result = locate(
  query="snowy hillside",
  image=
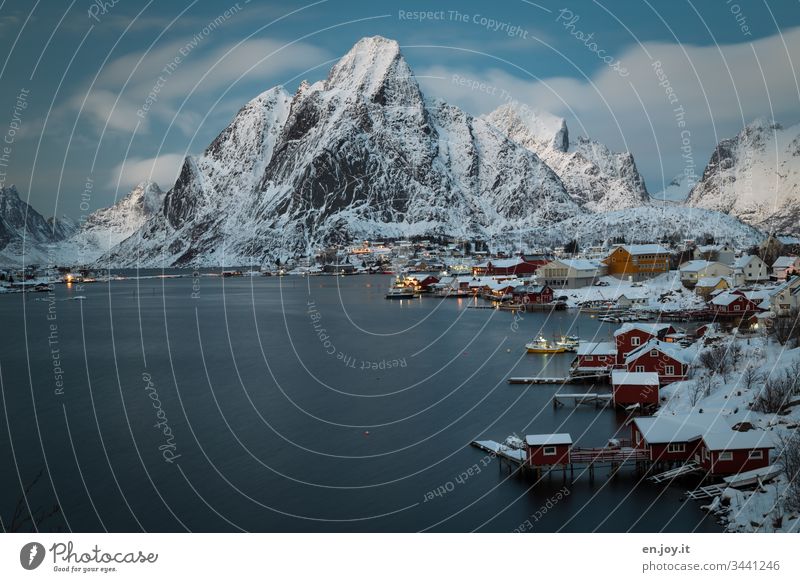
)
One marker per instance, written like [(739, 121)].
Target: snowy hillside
[(24, 233), (596, 178), (756, 177), (649, 223)]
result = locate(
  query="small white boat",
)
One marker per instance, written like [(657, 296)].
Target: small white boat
[(569, 342), (400, 293), (541, 346)]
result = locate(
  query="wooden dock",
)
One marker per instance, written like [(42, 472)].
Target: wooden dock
[(572, 379), (587, 398), (685, 469)]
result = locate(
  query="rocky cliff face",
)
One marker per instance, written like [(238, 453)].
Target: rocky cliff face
[(595, 177), (755, 176)]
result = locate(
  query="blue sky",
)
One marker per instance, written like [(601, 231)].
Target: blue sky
[(88, 68)]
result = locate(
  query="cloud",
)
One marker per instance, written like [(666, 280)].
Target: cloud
[(157, 83), (717, 88), (163, 170)]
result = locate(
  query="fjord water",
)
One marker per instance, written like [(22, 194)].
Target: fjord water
[(295, 404)]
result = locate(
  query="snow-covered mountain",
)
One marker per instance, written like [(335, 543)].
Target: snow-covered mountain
[(676, 191), (360, 154), (755, 176), (105, 228), (24, 233), (596, 178)]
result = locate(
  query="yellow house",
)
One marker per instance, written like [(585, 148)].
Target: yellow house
[(707, 285), (637, 262)]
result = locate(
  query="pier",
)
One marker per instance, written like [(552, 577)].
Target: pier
[(572, 379), (594, 398)]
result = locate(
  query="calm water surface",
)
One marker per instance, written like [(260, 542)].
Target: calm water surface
[(293, 404)]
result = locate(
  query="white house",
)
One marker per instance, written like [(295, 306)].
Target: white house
[(784, 265), (749, 269), (786, 297), (692, 271), (724, 253), (570, 273)]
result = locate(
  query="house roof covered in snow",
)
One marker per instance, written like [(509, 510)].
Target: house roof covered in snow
[(651, 328), (597, 349), (672, 350), (721, 440), (538, 440), (710, 281), (646, 249), (783, 262), (695, 266)]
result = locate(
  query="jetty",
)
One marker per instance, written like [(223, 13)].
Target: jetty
[(571, 379), (593, 398)]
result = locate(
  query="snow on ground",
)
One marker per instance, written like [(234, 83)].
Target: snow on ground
[(664, 292), (731, 397)]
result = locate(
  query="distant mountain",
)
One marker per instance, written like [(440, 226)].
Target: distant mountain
[(677, 191), (105, 228), (594, 176), (24, 233), (360, 154), (755, 176)]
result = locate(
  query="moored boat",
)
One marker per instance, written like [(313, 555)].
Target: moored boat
[(541, 346)]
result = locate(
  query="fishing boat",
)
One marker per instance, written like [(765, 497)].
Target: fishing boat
[(400, 293), (569, 342), (541, 346)]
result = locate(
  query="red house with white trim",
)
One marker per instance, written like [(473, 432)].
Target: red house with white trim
[(514, 266), (733, 304), (667, 437), (634, 388), (631, 336), (730, 452), (533, 294), (548, 449), (595, 357), (668, 360)]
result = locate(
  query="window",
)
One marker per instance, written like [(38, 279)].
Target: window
[(756, 454), (726, 456), (635, 341), (669, 370), (549, 451), (639, 369), (676, 448), (654, 353), (706, 456), (589, 358), (736, 307)]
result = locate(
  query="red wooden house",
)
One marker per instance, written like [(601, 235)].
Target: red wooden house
[(595, 357), (425, 283), (634, 388), (668, 437), (733, 304), (731, 452), (548, 449), (519, 265), (533, 294), (631, 336), (668, 360)]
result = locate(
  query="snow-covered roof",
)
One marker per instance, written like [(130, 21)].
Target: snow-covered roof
[(538, 440), (623, 377), (695, 266), (581, 264), (506, 263), (670, 429), (783, 262), (709, 281), (651, 328), (647, 249), (721, 440), (672, 350), (597, 349), (743, 261), (726, 298)]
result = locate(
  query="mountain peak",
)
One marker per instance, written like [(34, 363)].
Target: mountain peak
[(369, 65), (526, 125)]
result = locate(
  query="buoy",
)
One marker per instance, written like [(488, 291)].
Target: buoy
[(366, 433), (508, 350)]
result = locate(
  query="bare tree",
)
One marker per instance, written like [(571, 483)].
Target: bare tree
[(701, 387), (717, 359), (751, 376), (786, 329), (789, 460), (775, 395)]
